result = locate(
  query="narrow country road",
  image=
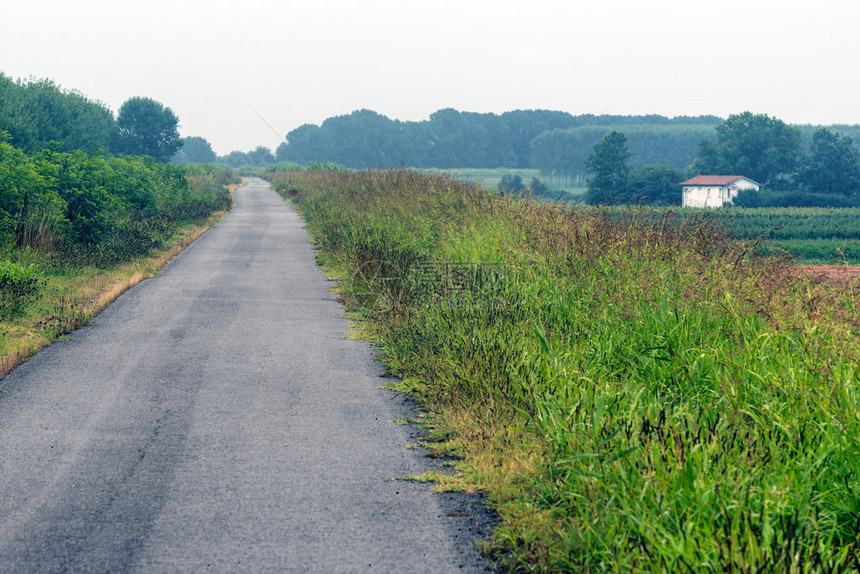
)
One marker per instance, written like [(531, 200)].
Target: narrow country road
[(217, 419)]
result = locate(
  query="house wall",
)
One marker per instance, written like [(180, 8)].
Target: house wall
[(714, 195), (704, 196)]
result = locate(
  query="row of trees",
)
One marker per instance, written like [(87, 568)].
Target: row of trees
[(757, 146), (38, 114), (562, 154), (197, 150), (453, 139)]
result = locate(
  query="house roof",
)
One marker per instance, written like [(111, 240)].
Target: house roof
[(713, 180)]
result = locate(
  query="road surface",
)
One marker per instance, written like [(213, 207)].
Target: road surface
[(217, 419)]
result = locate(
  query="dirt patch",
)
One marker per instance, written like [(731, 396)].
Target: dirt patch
[(837, 273)]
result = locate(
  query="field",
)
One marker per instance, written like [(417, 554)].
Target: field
[(809, 235), (633, 392), (490, 178)]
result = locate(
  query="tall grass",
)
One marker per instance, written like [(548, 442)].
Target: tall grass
[(635, 393)]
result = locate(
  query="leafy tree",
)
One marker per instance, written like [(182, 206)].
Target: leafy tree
[(655, 185), (146, 127), (511, 184), (833, 164), (538, 187), (609, 169), (195, 150), (753, 145), (39, 114), (259, 157)]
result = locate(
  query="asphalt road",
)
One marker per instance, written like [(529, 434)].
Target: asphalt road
[(216, 418)]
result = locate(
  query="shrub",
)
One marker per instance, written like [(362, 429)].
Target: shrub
[(19, 286)]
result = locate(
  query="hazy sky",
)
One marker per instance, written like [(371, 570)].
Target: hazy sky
[(297, 62)]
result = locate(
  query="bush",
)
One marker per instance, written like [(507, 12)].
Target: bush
[(19, 286), (284, 166), (768, 198)]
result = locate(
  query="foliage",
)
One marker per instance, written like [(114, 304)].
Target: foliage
[(608, 164), (766, 198), (655, 185), (39, 114), (452, 139), (100, 208), (511, 184), (753, 145), (147, 127), (283, 166), (614, 182), (19, 286), (688, 406), (259, 157), (326, 166), (194, 150), (563, 152), (833, 165)]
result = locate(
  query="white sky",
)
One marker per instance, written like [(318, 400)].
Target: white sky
[(301, 61)]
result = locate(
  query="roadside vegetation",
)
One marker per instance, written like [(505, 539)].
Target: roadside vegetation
[(76, 229), (632, 391)]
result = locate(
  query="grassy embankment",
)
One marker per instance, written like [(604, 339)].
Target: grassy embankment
[(632, 394), (77, 230)]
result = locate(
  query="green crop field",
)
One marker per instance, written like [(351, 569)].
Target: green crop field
[(632, 391), (808, 235)]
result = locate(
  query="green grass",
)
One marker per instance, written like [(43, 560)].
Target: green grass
[(632, 392), (490, 178)]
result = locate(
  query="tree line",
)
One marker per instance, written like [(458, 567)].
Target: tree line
[(453, 139), (39, 114)]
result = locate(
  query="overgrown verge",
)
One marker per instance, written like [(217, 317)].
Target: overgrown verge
[(78, 229), (632, 393)]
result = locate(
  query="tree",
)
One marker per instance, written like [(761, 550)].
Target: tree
[(40, 114), (511, 184), (146, 127), (195, 150), (655, 185), (833, 164), (608, 164), (753, 145), (259, 157)]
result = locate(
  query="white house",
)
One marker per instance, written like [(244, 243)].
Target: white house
[(714, 190)]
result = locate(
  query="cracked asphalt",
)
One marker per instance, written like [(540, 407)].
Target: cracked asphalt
[(217, 418)]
